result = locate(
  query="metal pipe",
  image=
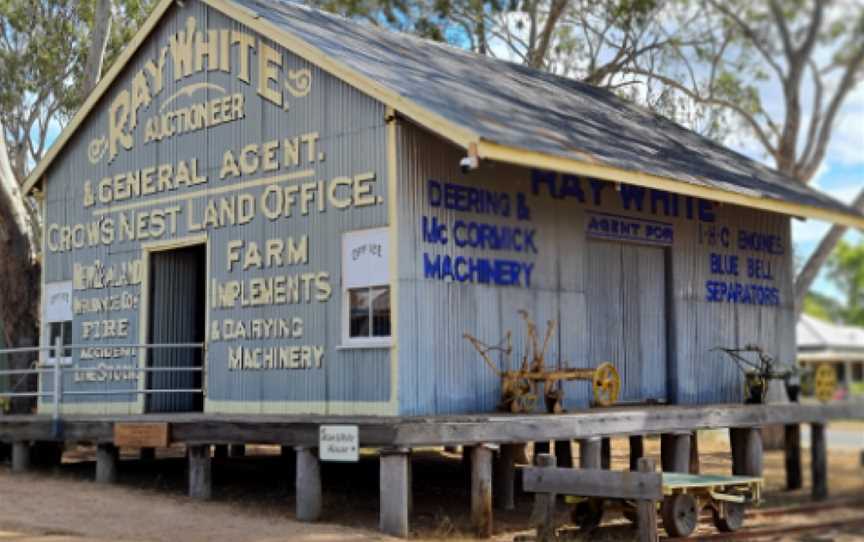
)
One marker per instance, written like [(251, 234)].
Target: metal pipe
[(131, 392), (26, 349), (58, 379), (24, 371)]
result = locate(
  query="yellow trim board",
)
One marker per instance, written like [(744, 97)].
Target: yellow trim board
[(501, 153)]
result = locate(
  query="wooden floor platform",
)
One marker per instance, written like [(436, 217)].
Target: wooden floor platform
[(491, 443), (409, 432)]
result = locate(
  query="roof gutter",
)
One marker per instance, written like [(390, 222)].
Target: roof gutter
[(502, 153)]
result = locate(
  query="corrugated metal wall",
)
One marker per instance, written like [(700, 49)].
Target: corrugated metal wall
[(177, 295), (642, 307), (352, 140)]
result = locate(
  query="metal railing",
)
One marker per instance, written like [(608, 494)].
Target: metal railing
[(57, 367)]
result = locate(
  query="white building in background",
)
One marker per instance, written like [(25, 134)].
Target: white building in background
[(841, 346)]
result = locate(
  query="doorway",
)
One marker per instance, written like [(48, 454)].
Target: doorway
[(177, 303), (627, 315)]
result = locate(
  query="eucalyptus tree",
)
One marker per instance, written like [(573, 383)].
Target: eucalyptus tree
[(52, 53)]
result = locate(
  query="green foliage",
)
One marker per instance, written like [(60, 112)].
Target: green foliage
[(43, 51), (846, 270), (823, 307)]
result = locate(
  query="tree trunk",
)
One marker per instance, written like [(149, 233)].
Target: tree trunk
[(96, 54), (19, 302), (814, 264)]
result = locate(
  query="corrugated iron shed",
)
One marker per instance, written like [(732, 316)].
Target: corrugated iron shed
[(512, 113)]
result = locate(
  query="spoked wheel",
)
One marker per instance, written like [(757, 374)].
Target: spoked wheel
[(587, 514), (606, 384), (680, 515), (728, 516)]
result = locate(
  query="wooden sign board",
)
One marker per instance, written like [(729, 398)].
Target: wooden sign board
[(141, 435)]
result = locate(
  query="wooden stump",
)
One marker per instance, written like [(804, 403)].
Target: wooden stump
[(646, 510), (695, 467), (308, 485), (20, 457), (505, 477), (675, 452), (564, 453), (792, 456), (590, 453), (606, 453), (481, 491), (746, 444), (200, 473), (395, 492), (106, 463), (543, 515), (819, 461), (637, 450)]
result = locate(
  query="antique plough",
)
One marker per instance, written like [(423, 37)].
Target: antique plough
[(520, 388)]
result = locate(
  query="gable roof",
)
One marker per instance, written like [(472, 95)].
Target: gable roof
[(815, 334), (507, 112)]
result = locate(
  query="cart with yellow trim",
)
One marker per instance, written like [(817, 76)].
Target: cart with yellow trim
[(685, 496)]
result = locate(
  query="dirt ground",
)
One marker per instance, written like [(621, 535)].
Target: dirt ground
[(254, 501)]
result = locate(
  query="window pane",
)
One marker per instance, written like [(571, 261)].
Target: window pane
[(358, 312), (67, 338), (380, 312)]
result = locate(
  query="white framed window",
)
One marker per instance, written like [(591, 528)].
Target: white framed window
[(58, 319), (366, 289)]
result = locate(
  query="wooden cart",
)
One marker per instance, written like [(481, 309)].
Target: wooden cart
[(684, 497)]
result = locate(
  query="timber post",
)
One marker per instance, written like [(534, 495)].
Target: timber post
[(753, 451), (540, 447), (220, 451), (695, 467), (200, 472), (564, 453), (543, 515), (646, 510), (747, 450), (590, 453), (395, 491), (504, 484), (308, 484), (675, 452), (792, 456), (637, 450), (819, 461), (606, 453), (481, 490), (106, 463), (20, 457)]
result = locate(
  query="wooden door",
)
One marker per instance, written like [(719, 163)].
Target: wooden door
[(627, 315)]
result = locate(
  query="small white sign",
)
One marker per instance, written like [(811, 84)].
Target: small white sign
[(365, 258), (58, 301), (338, 443)]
